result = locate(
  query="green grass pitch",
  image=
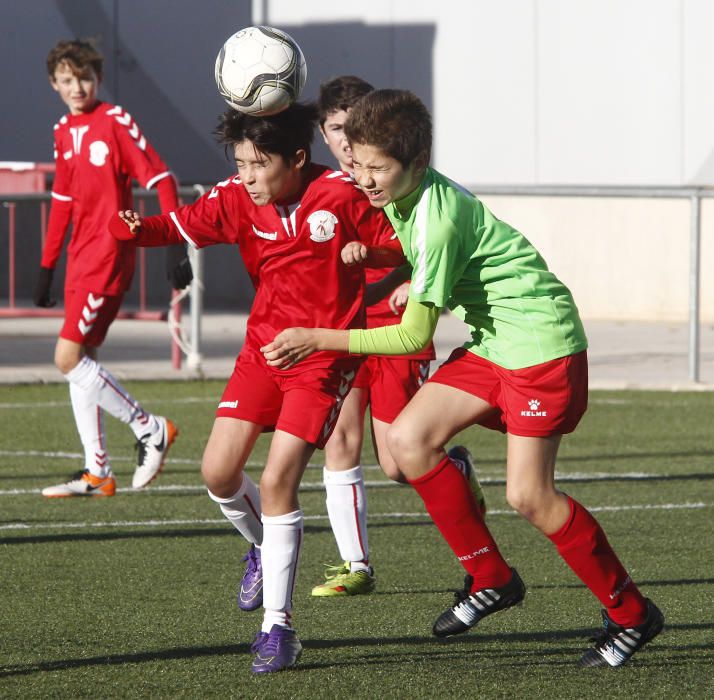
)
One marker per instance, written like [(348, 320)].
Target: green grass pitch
[(134, 596)]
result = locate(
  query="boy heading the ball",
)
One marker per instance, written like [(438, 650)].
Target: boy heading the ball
[(524, 372), (291, 219), (99, 149)]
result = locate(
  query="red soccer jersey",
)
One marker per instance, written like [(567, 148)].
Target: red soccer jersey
[(291, 251), (97, 155)]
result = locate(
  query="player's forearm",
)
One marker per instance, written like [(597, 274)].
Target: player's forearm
[(154, 231), (331, 339), (411, 335), (376, 291), (60, 214), (167, 194), (385, 255)]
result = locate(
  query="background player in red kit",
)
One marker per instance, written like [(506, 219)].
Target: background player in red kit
[(384, 383), (291, 219), (98, 150)]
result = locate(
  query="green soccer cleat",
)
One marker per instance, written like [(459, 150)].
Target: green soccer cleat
[(464, 462), (341, 582)]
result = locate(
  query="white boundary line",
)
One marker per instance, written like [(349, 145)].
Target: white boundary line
[(384, 483), (66, 403), (214, 400), (373, 516)]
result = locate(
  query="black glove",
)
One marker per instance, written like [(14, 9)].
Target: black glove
[(178, 267), (43, 294)]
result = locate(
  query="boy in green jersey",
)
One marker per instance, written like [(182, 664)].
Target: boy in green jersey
[(385, 384), (524, 372)]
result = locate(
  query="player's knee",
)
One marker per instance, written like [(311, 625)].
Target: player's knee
[(519, 500), (66, 361), (393, 472), (275, 494), (403, 442), (218, 480), (530, 503), (343, 447)]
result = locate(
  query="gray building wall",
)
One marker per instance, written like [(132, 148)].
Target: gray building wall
[(159, 65)]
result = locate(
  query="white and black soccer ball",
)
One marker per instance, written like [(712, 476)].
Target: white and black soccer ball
[(260, 71)]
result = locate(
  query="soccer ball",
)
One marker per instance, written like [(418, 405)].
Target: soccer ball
[(260, 71)]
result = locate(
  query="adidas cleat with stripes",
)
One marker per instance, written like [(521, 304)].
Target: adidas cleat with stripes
[(615, 645), (470, 607)]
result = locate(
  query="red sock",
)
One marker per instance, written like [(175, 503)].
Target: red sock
[(452, 507), (584, 546)]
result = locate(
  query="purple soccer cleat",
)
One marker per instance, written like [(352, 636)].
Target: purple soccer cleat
[(278, 650), (260, 637), (250, 593)]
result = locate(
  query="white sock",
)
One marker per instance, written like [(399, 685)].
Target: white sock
[(347, 508), (89, 418), (102, 388), (243, 510), (282, 540)]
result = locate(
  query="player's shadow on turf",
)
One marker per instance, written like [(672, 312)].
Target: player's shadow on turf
[(226, 530), (452, 645), (109, 536), (640, 583), (121, 659)]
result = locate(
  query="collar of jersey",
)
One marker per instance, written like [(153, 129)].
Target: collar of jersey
[(85, 116)]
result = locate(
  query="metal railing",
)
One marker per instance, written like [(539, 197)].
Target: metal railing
[(179, 344), (693, 194), (191, 346)]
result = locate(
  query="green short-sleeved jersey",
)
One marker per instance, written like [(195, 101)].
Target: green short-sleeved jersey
[(488, 273)]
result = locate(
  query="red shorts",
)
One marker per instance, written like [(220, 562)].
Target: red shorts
[(305, 404), (389, 383), (546, 399), (88, 315)]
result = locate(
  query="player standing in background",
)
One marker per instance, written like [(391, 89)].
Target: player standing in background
[(98, 150), (290, 219), (524, 372), (385, 383)]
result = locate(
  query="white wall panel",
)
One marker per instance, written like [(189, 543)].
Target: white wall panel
[(609, 91), (698, 93)]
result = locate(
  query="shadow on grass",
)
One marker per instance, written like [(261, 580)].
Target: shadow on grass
[(120, 659), (494, 464), (170, 533), (545, 586), (437, 648)]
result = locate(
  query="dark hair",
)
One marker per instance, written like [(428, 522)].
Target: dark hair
[(395, 121), (78, 54), (283, 133), (340, 94)]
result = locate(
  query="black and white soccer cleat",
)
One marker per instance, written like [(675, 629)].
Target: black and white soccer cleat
[(615, 645), (471, 607)]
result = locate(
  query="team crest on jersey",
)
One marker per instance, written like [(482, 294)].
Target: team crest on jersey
[(98, 152), (322, 225)]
